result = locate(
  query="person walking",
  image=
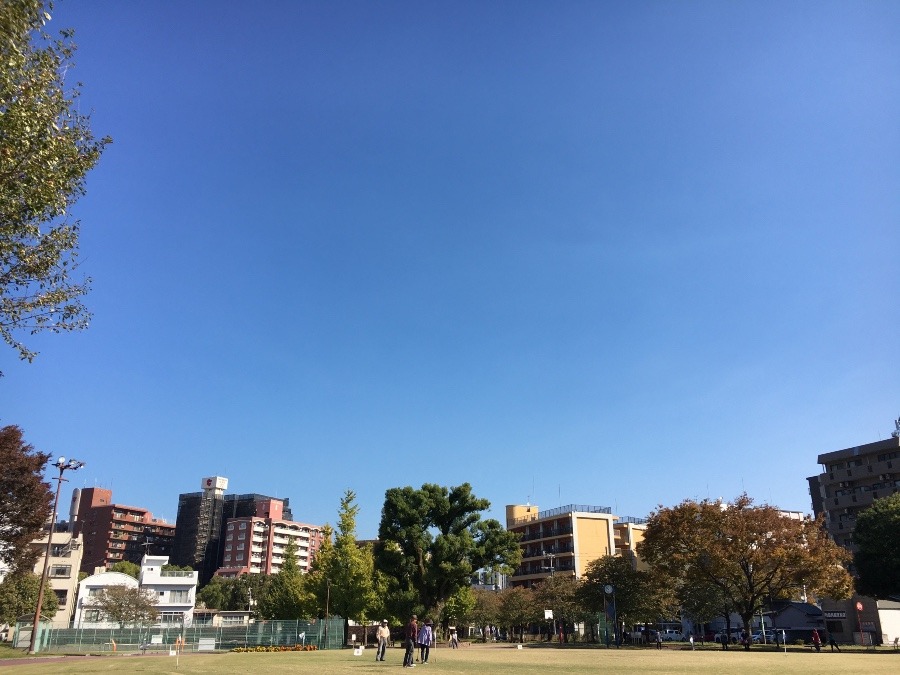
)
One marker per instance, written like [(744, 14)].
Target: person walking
[(832, 643), (723, 638), (454, 639), (691, 638), (659, 639), (816, 640), (410, 633), (383, 634), (426, 635)]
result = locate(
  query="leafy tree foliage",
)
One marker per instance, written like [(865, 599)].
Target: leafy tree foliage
[(518, 608), (46, 150), (432, 540), (459, 607), (749, 553), (19, 594), (285, 596), (24, 499), (233, 594), (343, 573), (486, 611), (640, 596), (126, 605), (127, 567), (877, 538)]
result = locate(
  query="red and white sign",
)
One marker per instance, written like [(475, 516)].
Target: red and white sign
[(858, 606)]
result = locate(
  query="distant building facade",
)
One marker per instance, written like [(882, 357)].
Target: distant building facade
[(851, 479), (567, 539), (202, 520), (114, 532), (256, 544)]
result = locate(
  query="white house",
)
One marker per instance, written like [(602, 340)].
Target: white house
[(175, 593), (175, 590)]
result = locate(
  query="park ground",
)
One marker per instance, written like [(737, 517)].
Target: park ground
[(499, 659)]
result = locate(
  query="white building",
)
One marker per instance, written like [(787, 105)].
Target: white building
[(175, 593)]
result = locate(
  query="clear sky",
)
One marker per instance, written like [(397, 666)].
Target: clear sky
[(607, 253)]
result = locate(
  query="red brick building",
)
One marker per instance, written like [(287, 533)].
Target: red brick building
[(115, 532)]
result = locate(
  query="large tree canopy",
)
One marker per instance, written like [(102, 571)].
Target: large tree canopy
[(46, 150), (127, 605), (877, 538), (286, 596), (749, 553), (24, 498), (19, 594), (432, 540), (639, 596)]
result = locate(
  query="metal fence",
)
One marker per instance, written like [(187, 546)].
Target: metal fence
[(322, 634)]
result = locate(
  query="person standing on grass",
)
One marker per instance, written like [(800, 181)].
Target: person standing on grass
[(832, 643), (383, 634), (816, 640), (410, 633), (426, 635)]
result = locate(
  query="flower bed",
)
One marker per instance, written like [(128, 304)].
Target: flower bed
[(277, 648)]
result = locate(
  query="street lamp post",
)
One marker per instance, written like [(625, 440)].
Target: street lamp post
[(63, 465)]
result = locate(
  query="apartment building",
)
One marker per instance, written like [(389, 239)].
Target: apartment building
[(115, 532), (565, 540), (850, 480), (62, 572), (200, 526), (256, 544)]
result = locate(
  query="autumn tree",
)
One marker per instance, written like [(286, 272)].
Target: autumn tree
[(343, 573), (877, 539), (19, 594), (750, 553), (286, 596), (126, 605), (46, 150), (24, 499), (431, 542)]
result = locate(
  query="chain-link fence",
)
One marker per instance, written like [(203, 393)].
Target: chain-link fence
[(321, 634)]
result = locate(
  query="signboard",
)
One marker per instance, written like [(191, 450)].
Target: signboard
[(548, 614), (858, 606), (836, 615)]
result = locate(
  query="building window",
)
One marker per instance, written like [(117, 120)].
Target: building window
[(92, 615), (240, 547), (232, 620), (171, 617), (179, 596), (242, 535), (60, 571), (243, 526), (230, 526)]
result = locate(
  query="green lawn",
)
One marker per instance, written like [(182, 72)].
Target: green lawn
[(492, 659)]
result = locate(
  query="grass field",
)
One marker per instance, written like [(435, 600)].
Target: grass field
[(501, 659)]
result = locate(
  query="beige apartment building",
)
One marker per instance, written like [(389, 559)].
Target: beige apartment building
[(565, 540)]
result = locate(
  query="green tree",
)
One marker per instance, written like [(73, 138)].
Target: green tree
[(750, 553), (486, 611), (877, 558), (127, 567), (19, 594), (286, 596), (126, 605), (432, 540), (557, 592), (233, 594), (640, 597), (46, 150), (343, 574), (24, 499), (518, 608)]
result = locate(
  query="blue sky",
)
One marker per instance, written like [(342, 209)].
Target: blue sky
[(603, 253)]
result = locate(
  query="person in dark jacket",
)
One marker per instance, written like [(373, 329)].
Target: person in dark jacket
[(410, 634)]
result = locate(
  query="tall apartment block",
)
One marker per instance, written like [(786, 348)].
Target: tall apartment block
[(62, 571), (567, 539), (202, 519), (256, 544), (851, 479), (114, 532)]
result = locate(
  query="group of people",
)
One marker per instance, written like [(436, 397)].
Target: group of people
[(416, 637)]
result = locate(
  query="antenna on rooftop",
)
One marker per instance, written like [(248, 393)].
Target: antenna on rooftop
[(896, 432)]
